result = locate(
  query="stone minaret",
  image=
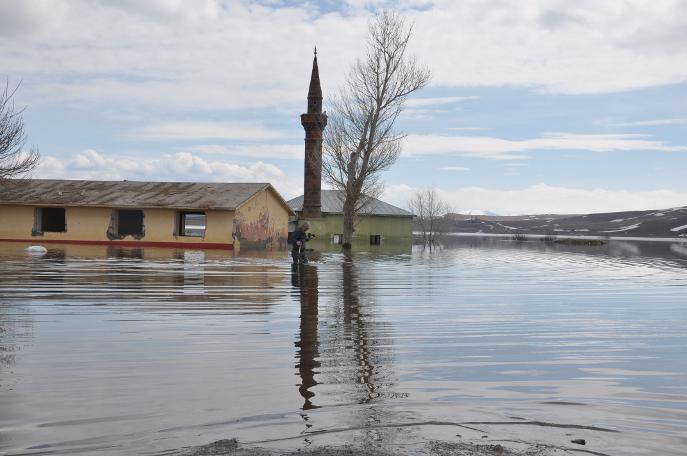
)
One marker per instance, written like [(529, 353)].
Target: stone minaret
[(313, 122)]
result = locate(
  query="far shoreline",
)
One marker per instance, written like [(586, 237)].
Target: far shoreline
[(417, 236)]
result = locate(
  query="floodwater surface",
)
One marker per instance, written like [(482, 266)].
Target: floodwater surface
[(111, 352)]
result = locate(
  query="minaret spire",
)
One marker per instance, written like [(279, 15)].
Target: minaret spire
[(313, 122), (315, 91)]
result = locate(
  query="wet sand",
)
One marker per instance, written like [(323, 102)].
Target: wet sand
[(232, 447), (474, 439)]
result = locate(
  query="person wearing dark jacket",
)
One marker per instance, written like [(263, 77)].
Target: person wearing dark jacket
[(300, 237)]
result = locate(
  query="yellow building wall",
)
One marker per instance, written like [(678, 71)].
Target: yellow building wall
[(160, 225), (91, 224), (262, 222), (16, 222)]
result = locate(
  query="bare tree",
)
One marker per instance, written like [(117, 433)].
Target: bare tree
[(14, 160), (360, 141), (430, 212)]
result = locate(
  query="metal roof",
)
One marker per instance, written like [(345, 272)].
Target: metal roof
[(332, 203), (144, 195)]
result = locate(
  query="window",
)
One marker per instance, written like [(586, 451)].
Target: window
[(337, 238), (50, 220), (375, 239), (192, 224), (129, 222)]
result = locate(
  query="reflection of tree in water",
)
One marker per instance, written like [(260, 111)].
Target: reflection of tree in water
[(363, 340), (352, 345)]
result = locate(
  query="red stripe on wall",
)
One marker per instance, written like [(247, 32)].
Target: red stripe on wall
[(195, 245)]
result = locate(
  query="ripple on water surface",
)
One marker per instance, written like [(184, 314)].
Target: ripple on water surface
[(144, 351)]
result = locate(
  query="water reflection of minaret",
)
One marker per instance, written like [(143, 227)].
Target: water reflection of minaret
[(305, 278)]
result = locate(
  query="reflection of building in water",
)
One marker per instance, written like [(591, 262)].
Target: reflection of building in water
[(15, 326), (16, 317), (152, 280), (16, 331), (124, 252), (194, 272)]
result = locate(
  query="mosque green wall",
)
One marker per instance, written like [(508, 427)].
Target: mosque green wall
[(389, 227)]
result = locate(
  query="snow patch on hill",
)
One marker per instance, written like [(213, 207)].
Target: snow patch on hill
[(627, 228)]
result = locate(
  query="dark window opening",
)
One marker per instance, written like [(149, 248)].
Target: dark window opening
[(192, 224), (375, 239), (130, 222), (53, 219)]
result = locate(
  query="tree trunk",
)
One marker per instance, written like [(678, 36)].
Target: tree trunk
[(348, 226)]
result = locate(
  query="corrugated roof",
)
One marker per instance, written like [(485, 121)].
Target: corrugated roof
[(332, 203), (174, 195)]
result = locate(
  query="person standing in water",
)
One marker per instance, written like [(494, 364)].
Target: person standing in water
[(300, 237)]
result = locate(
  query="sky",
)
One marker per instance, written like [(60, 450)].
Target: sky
[(534, 106)]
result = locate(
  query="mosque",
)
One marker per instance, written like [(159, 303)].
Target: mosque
[(323, 209)]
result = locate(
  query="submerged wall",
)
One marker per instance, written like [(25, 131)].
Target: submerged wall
[(90, 224), (390, 227), (262, 222)]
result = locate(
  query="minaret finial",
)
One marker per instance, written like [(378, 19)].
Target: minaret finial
[(315, 91)]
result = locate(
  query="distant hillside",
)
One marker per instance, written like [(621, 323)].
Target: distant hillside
[(655, 223)]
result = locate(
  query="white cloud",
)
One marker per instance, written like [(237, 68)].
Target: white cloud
[(510, 149), (181, 166), (466, 128), (256, 151), (543, 199), (173, 131), (650, 123), (179, 55), (454, 168), (586, 46), (434, 101), (236, 55), (427, 108), (26, 18)]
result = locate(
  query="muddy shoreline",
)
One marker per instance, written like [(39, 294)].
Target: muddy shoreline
[(474, 438), (231, 447)]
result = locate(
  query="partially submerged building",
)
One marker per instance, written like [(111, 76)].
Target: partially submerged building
[(145, 214), (376, 221)]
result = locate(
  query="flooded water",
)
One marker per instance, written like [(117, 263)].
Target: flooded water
[(111, 352)]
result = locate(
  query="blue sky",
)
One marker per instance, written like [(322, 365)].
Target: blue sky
[(534, 106)]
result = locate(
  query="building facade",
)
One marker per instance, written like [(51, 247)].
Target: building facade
[(144, 214), (377, 221)]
